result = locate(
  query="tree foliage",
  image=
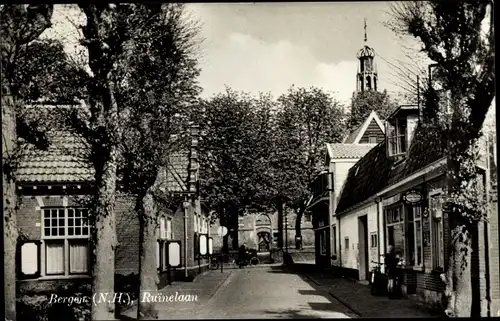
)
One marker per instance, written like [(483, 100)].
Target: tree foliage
[(44, 72), (261, 154), (233, 148), (363, 102), (452, 35), (158, 85), (19, 26), (307, 119)]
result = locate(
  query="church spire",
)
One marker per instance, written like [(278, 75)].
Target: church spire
[(366, 38), (367, 77)]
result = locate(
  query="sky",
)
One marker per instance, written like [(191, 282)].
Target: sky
[(268, 47)]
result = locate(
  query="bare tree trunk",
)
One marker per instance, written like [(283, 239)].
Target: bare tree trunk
[(104, 239), (465, 208), (279, 207), (148, 275), (10, 206), (33, 20), (458, 276)]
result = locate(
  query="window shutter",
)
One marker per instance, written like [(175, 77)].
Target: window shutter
[(163, 232), (28, 259), (169, 229)]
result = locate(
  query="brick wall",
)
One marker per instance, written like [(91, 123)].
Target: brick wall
[(494, 251), (28, 216), (430, 281), (127, 232)]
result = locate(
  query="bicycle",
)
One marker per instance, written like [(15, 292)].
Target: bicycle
[(215, 262), (378, 286)]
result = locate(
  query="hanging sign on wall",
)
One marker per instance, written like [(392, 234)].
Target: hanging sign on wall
[(412, 197)]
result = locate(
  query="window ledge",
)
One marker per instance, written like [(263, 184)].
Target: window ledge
[(58, 277)]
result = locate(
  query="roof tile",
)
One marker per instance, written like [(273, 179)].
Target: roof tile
[(345, 151), (375, 170)]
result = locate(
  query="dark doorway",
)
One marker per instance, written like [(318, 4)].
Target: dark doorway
[(264, 241), (363, 247)]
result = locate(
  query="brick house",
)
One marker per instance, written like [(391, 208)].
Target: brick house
[(53, 247), (327, 186), (261, 231), (394, 196)]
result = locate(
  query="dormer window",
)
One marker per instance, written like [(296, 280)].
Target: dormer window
[(400, 127), (396, 136)]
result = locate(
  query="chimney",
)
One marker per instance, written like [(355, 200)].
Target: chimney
[(193, 159)]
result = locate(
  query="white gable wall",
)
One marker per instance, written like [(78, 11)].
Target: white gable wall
[(350, 227)]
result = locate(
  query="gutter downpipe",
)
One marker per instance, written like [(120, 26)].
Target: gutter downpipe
[(331, 211), (185, 204), (378, 200)]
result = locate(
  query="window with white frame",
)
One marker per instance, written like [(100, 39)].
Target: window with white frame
[(346, 243), (414, 239), (66, 236), (396, 134), (404, 232), (395, 228), (436, 211), (163, 228)]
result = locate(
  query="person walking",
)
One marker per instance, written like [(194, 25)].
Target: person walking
[(242, 253)]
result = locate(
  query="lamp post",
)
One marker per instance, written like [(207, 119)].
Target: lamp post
[(286, 234)]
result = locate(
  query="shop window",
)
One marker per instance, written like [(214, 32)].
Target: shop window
[(395, 229), (66, 236), (414, 241), (404, 233)]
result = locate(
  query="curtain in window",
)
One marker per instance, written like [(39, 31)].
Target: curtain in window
[(55, 257), (78, 257)]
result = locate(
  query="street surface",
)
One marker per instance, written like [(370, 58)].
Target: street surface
[(252, 292), (272, 293)]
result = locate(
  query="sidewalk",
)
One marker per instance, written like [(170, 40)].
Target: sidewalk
[(358, 298), (200, 291)]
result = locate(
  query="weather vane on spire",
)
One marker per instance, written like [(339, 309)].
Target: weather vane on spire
[(365, 32)]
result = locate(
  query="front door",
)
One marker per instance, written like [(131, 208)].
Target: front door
[(264, 239), (363, 247)]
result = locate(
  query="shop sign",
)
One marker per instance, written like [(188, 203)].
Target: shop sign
[(412, 197)]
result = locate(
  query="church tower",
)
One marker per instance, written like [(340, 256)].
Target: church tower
[(367, 78)]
